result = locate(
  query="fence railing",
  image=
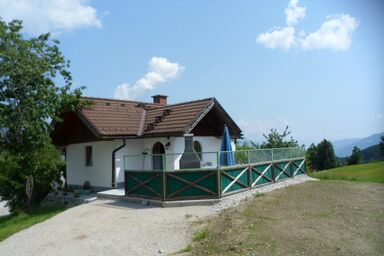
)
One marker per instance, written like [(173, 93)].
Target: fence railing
[(209, 183), (209, 160)]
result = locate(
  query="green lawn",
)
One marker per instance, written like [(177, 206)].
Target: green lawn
[(14, 223), (329, 217), (372, 172)]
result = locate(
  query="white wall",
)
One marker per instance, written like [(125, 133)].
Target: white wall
[(133, 148), (99, 174), (209, 146)]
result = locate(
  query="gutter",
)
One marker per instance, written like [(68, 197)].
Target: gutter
[(114, 164)]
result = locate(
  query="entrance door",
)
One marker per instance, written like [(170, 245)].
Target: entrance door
[(157, 159)]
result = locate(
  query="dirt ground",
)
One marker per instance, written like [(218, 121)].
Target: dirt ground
[(314, 218)]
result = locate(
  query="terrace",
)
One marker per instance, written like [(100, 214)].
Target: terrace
[(166, 178)]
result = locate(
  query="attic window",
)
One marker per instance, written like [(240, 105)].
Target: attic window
[(167, 111), (123, 105), (141, 105), (108, 104), (88, 156)]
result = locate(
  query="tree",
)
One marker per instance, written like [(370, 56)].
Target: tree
[(355, 158), (30, 101), (382, 144), (326, 158), (322, 156), (247, 145), (311, 156), (276, 140), (242, 147)]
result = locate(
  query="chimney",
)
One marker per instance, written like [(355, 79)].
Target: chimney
[(189, 158), (160, 99)]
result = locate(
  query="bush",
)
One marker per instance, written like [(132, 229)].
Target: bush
[(42, 165)]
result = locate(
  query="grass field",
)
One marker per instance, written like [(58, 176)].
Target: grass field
[(327, 217), (314, 218), (372, 172), (14, 223)]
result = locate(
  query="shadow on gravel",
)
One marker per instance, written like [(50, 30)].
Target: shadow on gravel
[(122, 205)]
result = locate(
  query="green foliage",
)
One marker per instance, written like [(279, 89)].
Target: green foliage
[(382, 144), (372, 153), (258, 194), (311, 156), (241, 155), (247, 145), (276, 140), (322, 156), (185, 250), (355, 158), (200, 235), (30, 102)]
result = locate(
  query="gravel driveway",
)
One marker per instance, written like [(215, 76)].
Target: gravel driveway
[(106, 227)]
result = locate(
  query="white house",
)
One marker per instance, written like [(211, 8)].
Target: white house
[(97, 138)]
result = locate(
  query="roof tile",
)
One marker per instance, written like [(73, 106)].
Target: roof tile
[(122, 118)]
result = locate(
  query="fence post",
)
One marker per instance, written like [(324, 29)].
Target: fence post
[(218, 182), (272, 154), (218, 176), (248, 157), (164, 176), (273, 172), (164, 184), (290, 149), (164, 162), (250, 176), (125, 183)]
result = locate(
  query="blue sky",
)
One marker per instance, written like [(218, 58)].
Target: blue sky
[(320, 71)]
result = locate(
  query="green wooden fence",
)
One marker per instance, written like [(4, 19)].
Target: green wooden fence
[(208, 183), (191, 184)]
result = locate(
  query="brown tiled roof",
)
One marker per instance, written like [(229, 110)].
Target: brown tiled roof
[(111, 118), (174, 118)]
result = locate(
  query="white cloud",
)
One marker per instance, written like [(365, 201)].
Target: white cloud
[(334, 33), (294, 12), (256, 129), (160, 70), (56, 16), (278, 38)]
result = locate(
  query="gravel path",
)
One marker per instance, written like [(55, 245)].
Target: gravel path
[(106, 227), (236, 199)]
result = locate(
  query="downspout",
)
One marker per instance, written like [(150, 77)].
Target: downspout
[(113, 164)]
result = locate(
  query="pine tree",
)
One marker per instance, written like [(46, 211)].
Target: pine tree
[(326, 158)]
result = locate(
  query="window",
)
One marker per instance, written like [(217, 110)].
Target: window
[(197, 147), (157, 159), (88, 155)]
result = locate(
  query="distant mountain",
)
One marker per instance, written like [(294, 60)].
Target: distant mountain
[(372, 153), (344, 147)]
